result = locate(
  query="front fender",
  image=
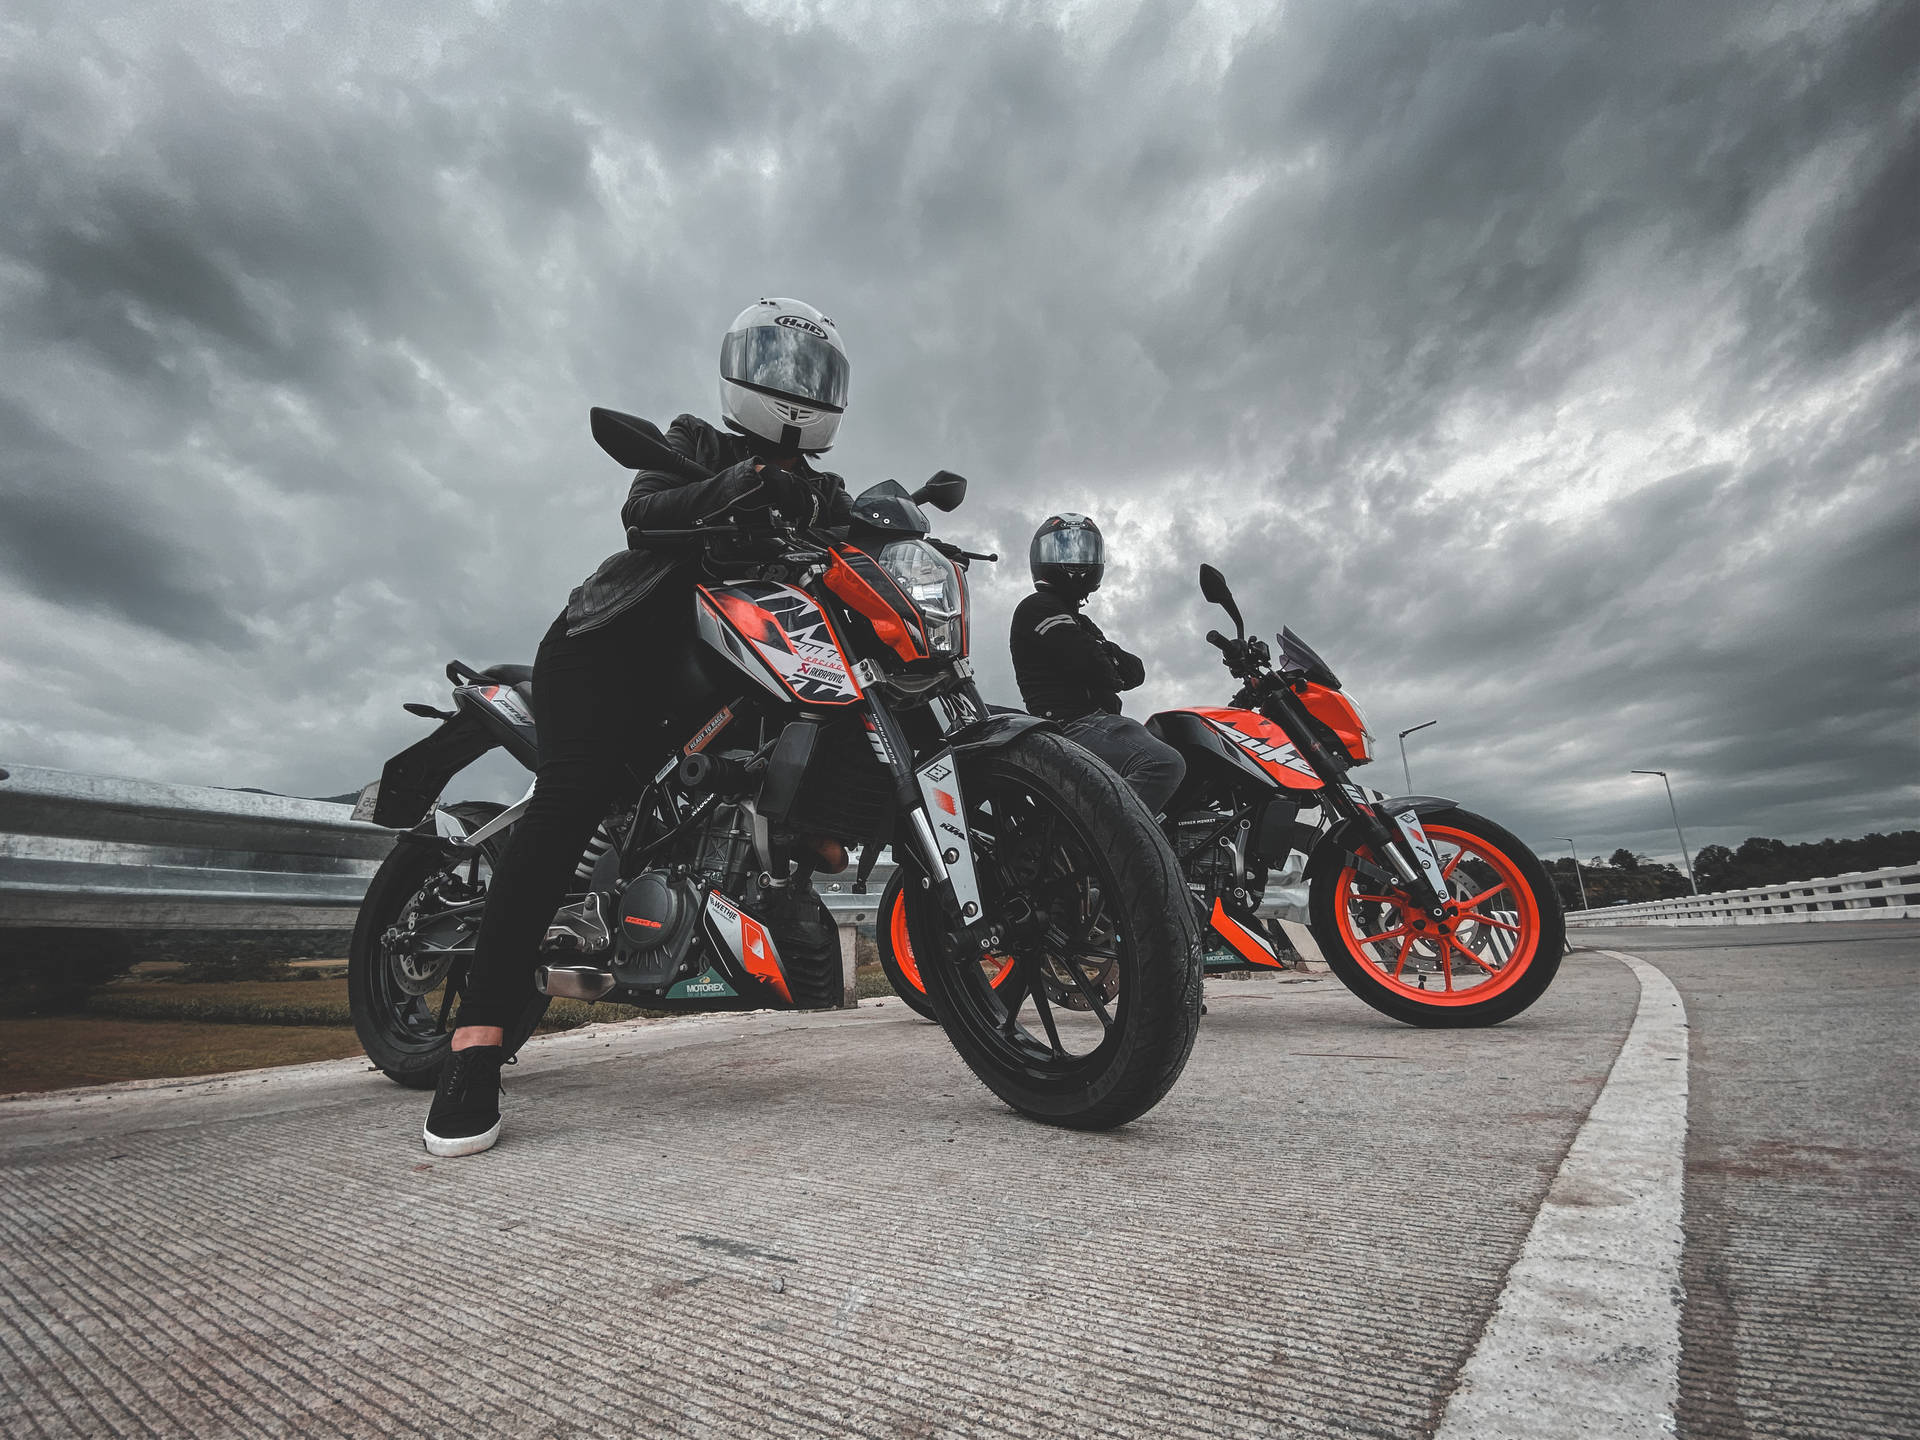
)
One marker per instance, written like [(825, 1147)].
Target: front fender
[(1333, 845), (997, 731)]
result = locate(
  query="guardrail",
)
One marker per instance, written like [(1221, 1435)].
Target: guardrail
[(1892, 893), (97, 852), (101, 853)]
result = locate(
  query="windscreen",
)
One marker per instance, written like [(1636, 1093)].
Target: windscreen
[(786, 361)]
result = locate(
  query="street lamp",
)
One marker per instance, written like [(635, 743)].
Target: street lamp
[(1403, 751), (1695, 884), (1576, 868)]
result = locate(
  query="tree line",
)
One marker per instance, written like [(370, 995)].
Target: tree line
[(1626, 877)]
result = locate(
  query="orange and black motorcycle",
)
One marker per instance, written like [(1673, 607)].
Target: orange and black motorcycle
[(1428, 912), (828, 696)]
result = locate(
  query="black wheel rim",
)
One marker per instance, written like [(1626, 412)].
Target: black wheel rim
[(415, 990), (1041, 874)]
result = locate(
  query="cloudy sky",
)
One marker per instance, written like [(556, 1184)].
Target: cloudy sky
[(1551, 367)]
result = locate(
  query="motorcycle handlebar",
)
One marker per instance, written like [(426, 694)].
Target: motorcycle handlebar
[(1217, 640)]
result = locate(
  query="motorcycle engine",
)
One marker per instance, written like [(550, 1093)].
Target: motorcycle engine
[(655, 918), (1223, 868)]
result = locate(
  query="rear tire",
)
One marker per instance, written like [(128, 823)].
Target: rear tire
[(1519, 977), (1045, 796), (400, 1031)]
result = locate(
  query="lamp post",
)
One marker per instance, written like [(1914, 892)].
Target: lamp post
[(1576, 869), (1692, 883), (1403, 750)]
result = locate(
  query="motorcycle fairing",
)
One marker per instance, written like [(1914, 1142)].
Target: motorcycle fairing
[(779, 637), (1254, 740), (1252, 945), (746, 941), (858, 579), (709, 984), (505, 711)]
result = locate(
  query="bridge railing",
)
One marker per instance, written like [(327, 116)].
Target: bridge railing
[(101, 853), (1892, 893)]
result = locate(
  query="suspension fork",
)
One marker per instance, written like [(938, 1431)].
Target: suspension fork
[(1399, 841), (929, 796)]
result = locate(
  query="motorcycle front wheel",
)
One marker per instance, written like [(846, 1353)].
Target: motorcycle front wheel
[(1493, 955), (1098, 1016), (403, 996), (897, 961)]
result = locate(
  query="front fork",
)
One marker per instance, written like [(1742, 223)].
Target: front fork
[(929, 796), (1399, 840)]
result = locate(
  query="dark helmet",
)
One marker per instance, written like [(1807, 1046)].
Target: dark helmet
[(1068, 555)]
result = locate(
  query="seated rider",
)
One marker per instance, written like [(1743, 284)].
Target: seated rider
[(1072, 674), (596, 679)]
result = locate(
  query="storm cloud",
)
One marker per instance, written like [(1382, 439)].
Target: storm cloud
[(1551, 368)]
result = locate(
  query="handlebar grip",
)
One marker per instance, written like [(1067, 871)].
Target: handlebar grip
[(1217, 640)]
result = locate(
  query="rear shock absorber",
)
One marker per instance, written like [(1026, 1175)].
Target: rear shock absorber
[(601, 842)]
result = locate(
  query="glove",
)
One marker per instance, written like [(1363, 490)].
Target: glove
[(790, 492)]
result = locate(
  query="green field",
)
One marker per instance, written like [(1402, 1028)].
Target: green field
[(149, 1027)]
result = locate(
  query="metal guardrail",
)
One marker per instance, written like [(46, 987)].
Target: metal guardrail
[(88, 850), (95, 852), (98, 852), (1892, 893)]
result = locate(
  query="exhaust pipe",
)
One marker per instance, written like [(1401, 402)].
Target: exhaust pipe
[(573, 982)]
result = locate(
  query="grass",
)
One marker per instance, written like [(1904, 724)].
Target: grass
[(56, 1051), (144, 1028)]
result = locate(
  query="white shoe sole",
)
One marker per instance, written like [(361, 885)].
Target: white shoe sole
[(464, 1145)]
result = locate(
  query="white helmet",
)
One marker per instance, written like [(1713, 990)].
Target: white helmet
[(783, 375)]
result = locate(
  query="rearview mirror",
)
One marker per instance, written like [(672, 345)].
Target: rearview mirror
[(944, 491), (1213, 585)]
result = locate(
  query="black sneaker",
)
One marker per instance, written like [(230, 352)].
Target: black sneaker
[(465, 1118)]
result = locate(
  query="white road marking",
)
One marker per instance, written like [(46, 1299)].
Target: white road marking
[(1586, 1337)]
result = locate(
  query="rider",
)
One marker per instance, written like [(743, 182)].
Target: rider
[(1072, 674), (596, 679)]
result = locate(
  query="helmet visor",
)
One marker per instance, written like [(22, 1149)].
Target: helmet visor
[(788, 362), (1078, 546)]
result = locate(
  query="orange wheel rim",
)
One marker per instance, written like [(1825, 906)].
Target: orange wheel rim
[(1001, 965), (902, 946), (1483, 947)]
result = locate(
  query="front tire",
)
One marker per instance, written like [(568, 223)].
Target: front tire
[(1493, 960), (1103, 939), (401, 1007)]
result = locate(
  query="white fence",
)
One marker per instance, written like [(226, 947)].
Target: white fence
[(1889, 894)]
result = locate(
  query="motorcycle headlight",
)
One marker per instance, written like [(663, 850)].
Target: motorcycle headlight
[(933, 585), (1366, 732)]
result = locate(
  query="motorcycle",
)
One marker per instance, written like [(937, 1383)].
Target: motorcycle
[(1430, 913), (828, 698)]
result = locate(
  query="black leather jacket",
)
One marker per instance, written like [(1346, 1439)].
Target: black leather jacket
[(658, 500), (1065, 667)]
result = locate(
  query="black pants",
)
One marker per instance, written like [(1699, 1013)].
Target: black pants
[(1152, 767), (594, 696)]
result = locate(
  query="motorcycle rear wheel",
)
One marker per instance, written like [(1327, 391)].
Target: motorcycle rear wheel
[(1060, 838), (1482, 965), (404, 1029)]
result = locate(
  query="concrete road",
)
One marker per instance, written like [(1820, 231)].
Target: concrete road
[(822, 1226), (1802, 1258)]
